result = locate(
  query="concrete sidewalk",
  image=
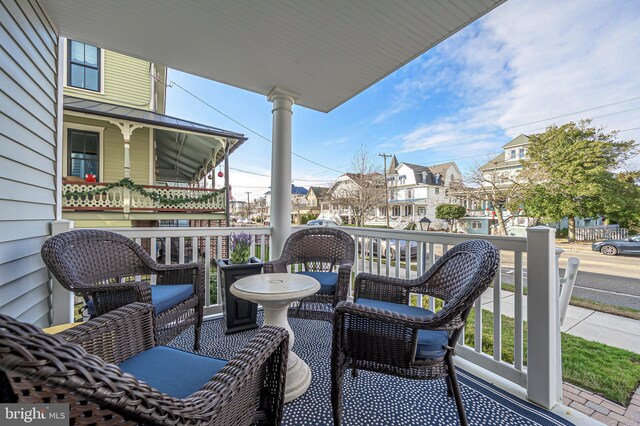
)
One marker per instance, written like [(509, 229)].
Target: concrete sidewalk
[(596, 326)]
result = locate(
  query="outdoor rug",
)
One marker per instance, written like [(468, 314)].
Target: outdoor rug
[(373, 398)]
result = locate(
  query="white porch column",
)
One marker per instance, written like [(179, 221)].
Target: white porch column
[(61, 298), (544, 375), (283, 101)]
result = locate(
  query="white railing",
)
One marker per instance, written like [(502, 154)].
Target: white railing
[(75, 197), (113, 199), (542, 376), (183, 245)]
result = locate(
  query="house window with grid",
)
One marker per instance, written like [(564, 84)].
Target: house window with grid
[(83, 66), (476, 225), (521, 153), (83, 153)]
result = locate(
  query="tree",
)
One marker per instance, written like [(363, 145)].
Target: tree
[(493, 186), (450, 213), (363, 189), (570, 173)]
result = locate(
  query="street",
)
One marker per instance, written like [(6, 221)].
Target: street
[(614, 280)]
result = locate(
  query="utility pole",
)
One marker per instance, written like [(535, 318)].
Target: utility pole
[(386, 186), (248, 205)]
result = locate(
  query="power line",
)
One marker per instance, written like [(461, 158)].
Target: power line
[(173, 83)]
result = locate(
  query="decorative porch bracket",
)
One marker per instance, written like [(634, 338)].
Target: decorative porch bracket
[(127, 128), (544, 371)]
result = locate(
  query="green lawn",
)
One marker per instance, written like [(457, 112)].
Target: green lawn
[(611, 372)]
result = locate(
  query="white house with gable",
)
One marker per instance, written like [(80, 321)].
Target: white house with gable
[(415, 191)]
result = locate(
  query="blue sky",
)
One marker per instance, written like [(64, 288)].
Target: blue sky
[(525, 65)]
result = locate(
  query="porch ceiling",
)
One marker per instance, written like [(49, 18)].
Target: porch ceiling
[(326, 51)]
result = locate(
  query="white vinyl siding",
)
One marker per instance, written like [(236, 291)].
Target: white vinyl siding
[(28, 93)]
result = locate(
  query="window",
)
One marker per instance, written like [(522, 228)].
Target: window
[(512, 153), (476, 224), (83, 66), (437, 191), (521, 153), (409, 193), (408, 210), (83, 148)]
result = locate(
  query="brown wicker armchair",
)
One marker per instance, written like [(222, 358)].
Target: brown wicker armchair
[(380, 332), (320, 250), (102, 267), (92, 368)]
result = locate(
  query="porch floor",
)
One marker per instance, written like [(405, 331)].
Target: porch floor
[(372, 398)]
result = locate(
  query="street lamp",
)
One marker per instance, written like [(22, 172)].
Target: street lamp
[(424, 221)]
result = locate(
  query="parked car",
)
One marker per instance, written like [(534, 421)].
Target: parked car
[(629, 245), (321, 222), (392, 248)]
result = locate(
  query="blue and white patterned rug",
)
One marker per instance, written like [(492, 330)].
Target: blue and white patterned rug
[(372, 398)]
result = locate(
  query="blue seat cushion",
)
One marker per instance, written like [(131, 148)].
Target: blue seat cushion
[(163, 297), (172, 371), (431, 343), (327, 280)]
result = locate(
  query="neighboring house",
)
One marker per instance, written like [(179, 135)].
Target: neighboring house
[(351, 192), (114, 127), (315, 196), (500, 171), (298, 203), (415, 191)]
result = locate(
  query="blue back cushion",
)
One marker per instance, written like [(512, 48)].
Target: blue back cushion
[(431, 343), (163, 297), (327, 280), (172, 371), (167, 296)]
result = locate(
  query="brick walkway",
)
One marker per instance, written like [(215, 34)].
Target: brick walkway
[(601, 409)]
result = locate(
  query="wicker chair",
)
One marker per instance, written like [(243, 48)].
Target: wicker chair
[(320, 250), (380, 332), (94, 368), (110, 270)]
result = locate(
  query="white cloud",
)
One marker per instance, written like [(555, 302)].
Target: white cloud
[(524, 62)]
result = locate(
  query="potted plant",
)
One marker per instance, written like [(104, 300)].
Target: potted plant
[(239, 314)]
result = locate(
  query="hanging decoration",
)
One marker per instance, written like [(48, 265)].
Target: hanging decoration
[(220, 174), (154, 195)]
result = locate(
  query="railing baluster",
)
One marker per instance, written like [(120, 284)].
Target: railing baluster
[(387, 259), (370, 255), (181, 250), (379, 256), (419, 267), (153, 248), (518, 330), (207, 271), (252, 248), (407, 259), (194, 249), (497, 315), (477, 337), (263, 250), (396, 244), (167, 251)]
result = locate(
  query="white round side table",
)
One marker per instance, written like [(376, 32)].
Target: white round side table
[(275, 292)]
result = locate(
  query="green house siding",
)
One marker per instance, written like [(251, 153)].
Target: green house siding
[(126, 81), (113, 151)]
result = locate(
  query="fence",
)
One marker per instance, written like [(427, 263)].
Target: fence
[(601, 233)]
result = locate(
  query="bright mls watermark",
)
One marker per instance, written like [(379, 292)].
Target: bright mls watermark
[(34, 414)]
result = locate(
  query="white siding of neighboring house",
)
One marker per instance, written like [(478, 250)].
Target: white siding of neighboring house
[(28, 94)]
